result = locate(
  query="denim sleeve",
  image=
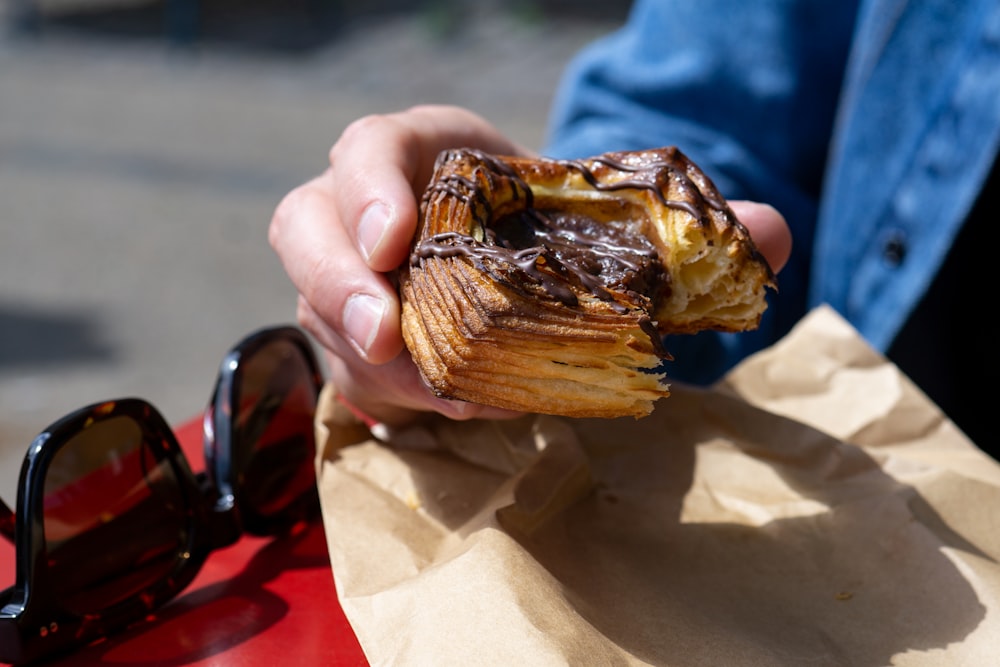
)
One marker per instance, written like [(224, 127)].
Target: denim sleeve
[(748, 90)]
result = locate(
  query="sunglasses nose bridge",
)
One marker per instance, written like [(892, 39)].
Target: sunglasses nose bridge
[(222, 518), (225, 529)]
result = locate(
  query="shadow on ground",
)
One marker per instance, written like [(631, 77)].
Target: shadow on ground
[(33, 338)]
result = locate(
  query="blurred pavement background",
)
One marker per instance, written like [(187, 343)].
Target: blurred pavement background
[(140, 164)]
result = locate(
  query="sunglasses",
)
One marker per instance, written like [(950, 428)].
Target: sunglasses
[(111, 522)]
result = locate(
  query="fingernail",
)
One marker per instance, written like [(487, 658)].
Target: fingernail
[(371, 228), (363, 314)]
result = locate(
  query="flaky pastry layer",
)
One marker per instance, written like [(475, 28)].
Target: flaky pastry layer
[(545, 285)]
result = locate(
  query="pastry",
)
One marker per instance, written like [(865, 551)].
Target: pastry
[(546, 285)]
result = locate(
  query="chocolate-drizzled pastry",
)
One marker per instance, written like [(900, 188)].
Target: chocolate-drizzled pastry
[(546, 285)]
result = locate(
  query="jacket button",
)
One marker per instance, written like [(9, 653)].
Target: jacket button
[(894, 249)]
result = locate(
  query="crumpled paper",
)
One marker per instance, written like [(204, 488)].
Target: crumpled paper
[(813, 508)]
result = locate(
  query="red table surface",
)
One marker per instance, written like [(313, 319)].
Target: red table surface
[(261, 601)]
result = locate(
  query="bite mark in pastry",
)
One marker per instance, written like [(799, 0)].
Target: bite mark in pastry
[(546, 285)]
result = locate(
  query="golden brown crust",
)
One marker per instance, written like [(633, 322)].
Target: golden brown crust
[(544, 285)]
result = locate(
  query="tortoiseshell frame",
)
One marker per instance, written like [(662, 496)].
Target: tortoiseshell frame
[(33, 622)]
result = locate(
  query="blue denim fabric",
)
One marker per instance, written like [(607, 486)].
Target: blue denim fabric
[(870, 124)]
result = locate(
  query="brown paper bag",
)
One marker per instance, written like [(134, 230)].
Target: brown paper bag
[(812, 509)]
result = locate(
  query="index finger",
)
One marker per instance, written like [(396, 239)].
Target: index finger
[(381, 164)]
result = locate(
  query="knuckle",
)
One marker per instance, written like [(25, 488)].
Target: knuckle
[(286, 210), (357, 132), (317, 278)]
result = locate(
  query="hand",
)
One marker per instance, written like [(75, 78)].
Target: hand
[(340, 235)]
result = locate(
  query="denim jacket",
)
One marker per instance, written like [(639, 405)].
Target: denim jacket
[(870, 124)]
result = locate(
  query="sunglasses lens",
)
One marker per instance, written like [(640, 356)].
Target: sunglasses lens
[(273, 429), (115, 515)]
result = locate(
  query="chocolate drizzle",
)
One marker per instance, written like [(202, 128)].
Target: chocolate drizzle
[(658, 171), (561, 252)]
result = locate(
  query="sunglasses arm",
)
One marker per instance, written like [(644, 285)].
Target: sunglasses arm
[(6, 522)]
